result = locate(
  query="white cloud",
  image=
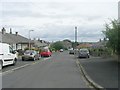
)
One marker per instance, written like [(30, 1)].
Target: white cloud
[(58, 17)]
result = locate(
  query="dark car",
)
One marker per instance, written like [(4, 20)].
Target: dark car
[(30, 55), (83, 53)]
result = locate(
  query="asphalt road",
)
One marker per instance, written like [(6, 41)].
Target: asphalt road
[(103, 71), (59, 71)]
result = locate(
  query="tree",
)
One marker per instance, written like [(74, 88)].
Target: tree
[(57, 45), (112, 33)]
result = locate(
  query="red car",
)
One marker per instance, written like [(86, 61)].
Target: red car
[(46, 53)]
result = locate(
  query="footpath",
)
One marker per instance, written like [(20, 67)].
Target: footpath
[(101, 72)]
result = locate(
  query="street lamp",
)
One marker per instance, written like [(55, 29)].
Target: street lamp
[(29, 37)]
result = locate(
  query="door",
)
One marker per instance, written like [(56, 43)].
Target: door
[(9, 56)]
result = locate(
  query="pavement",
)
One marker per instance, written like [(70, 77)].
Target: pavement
[(58, 71), (103, 72)]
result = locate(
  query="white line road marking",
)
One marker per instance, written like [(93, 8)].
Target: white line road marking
[(47, 58), (9, 71), (14, 69)]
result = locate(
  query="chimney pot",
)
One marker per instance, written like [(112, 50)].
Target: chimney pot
[(10, 31), (3, 30), (16, 33)]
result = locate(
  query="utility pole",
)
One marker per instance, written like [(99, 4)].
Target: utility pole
[(75, 36), (30, 39)]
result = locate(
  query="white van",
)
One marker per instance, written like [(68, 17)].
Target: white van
[(7, 55)]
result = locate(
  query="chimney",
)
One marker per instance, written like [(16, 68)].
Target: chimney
[(34, 39), (38, 39), (10, 31), (3, 30), (16, 33)]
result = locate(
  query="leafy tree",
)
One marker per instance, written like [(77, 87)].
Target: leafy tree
[(112, 33), (57, 45)]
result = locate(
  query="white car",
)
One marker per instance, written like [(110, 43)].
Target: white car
[(61, 50), (7, 55)]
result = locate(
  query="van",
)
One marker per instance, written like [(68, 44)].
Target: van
[(7, 55)]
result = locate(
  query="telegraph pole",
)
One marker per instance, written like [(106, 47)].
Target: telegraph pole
[(75, 36)]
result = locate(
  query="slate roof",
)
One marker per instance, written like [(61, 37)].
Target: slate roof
[(39, 44), (14, 39)]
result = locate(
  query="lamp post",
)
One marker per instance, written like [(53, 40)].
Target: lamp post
[(29, 37)]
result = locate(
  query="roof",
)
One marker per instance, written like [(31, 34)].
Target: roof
[(39, 44), (99, 44), (13, 38), (84, 45)]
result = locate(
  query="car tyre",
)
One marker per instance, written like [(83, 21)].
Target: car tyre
[(88, 56), (15, 61), (34, 59), (1, 65), (23, 59)]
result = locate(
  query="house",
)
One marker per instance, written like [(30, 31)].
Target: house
[(19, 42), (84, 45), (39, 44), (67, 43), (15, 40), (100, 44)]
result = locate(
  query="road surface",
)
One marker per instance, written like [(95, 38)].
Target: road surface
[(58, 71)]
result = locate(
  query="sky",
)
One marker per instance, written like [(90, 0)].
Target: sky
[(54, 20)]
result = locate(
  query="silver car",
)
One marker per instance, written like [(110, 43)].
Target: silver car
[(30, 55), (83, 53), (71, 51)]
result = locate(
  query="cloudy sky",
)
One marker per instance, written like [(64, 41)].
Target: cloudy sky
[(54, 20)]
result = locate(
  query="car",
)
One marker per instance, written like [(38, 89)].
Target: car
[(71, 51), (61, 50), (7, 55), (46, 53), (83, 53), (30, 55)]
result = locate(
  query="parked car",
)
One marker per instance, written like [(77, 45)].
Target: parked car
[(30, 55), (46, 53), (71, 51), (61, 50), (7, 55), (83, 53)]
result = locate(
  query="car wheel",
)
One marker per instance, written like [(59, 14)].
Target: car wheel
[(88, 56), (34, 59), (1, 65), (14, 61), (23, 59)]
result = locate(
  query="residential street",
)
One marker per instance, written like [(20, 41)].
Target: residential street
[(59, 71)]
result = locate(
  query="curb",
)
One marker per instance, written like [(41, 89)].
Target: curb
[(90, 81)]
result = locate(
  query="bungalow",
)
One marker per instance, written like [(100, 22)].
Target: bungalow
[(15, 40)]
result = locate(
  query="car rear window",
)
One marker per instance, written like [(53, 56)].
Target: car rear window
[(83, 50), (28, 52)]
